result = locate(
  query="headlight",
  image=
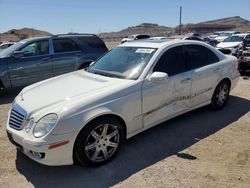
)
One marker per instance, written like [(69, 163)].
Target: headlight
[(45, 125)]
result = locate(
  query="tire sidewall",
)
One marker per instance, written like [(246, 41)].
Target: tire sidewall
[(79, 147), (214, 103)]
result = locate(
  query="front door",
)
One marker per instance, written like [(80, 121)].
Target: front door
[(34, 66), (164, 99)]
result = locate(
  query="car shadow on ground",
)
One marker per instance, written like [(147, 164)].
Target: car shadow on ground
[(9, 96), (139, 152)]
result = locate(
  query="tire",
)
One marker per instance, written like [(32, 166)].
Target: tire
[(99, 142), (220, 96)]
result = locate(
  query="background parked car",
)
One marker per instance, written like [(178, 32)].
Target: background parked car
[(243, 55), (5, 45), (35, 59), (231, 44), (193, 38), (211, 41), (222, 35), (135, 37)]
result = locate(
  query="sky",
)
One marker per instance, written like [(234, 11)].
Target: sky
[(95, 16)]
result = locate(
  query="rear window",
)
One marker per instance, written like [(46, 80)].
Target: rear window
[(65, 45), (92, 41)]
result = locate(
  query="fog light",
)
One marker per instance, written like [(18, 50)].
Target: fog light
[(38, 154)]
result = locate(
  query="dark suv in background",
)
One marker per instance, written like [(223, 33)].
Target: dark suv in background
[(35, 59)]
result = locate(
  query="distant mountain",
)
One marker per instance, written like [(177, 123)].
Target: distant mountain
[(236, 20), (18, 34), (144, 28), (235, 23)]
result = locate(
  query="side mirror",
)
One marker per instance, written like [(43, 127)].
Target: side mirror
[(92, 63), (158, 76), (18, 54)]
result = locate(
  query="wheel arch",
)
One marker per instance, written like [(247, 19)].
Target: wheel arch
[(107, 115), (227, 79), (94, 118)]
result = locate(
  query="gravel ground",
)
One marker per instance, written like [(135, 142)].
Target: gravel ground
[(202, 148)]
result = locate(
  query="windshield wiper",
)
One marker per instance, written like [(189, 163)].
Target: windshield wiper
[(104, 73)]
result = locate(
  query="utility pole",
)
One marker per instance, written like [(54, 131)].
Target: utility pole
[(180, 21)]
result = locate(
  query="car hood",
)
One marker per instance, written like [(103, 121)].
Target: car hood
[(79, 84), (221, 38), (228, 44)]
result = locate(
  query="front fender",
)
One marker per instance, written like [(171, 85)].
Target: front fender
[(78, 122)]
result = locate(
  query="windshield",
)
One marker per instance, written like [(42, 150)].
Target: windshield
[(12, 48), (123, 62), (233, 39)]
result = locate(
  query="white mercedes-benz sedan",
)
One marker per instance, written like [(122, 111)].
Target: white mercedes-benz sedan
[(84, 116)]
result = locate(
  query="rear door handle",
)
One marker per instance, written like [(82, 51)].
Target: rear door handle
[(45, 58), (185, 80)]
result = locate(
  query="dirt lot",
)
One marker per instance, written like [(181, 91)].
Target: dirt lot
[(200, 149)]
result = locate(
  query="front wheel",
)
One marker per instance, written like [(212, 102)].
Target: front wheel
[(99, 142), (220, 96)]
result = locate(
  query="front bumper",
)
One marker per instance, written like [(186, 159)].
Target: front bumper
[(40, 151)]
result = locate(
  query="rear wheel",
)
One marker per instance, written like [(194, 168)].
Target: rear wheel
[(220, 96), (99, 142)]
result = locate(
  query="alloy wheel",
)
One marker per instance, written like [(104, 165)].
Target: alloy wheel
[(222, 94), (102, 142)]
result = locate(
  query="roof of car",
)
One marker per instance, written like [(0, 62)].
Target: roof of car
[(59, 35), (159, 43), (241, 34)]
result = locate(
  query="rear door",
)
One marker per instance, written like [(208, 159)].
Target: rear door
[(66, 57), (34, 66), (205, 70)]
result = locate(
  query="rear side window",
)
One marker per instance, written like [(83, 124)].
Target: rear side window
[(142, 36), (171, 62), (93, 41), (198, 56), (65, 45)]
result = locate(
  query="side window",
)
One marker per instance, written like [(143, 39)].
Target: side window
[(65, 45), (171, 62), (36, 48), (92, 41), (248, 37), (198, 56)]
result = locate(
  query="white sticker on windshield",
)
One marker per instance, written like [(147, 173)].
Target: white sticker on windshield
[(144, 51)]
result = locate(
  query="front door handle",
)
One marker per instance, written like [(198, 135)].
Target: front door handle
[(185, 80)]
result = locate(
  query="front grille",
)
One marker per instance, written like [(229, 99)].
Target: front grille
[(17, 117)]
